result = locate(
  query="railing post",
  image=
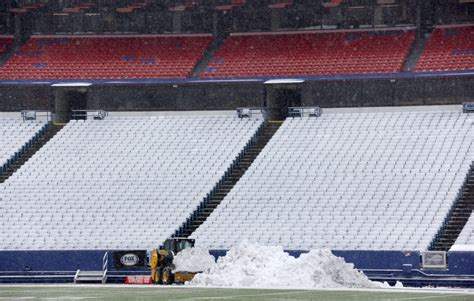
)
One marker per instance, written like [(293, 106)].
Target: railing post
[(105, 263)]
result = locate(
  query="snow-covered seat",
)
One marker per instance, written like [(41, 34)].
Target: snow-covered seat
[(100, 184), (352, 181), (14, 135)]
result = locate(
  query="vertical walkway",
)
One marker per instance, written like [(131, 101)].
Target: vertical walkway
[(415, 52), (230, 179), (457, 217), (206, 58), (37, 143)]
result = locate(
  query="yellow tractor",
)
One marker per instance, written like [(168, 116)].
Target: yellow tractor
[(161, 261)]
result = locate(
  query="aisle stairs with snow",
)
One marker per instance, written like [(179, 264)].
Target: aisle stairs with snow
[(30, 148), (459, 229), (228, 181)]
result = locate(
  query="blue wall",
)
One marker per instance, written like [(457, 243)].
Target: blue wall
[(19, 261), (51, 261), (461, 263), (378, 265)]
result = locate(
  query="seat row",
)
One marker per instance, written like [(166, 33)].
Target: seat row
[(241, 55), (107, 198), (283, 200)]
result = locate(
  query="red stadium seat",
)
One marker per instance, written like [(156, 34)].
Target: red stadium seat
[(106, 58), (303, 54), (448, 49)]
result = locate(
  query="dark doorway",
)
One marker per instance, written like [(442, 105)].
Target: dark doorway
[(286, 98), (77, 101), (224, 22)]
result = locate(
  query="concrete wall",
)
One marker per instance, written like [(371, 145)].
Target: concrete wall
[(180, 97), (25, 97), (388, 92), (228, 96)]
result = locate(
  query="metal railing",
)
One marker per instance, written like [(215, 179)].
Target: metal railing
[(249, 112), (28, 115), (76, 276), (468, 107), (87, 114), (304, 111)]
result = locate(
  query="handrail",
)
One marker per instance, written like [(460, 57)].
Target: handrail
[(33, 114), (105, 263), (84, 114), (300, 111), (468, 107), (76, 275), (248, 112)]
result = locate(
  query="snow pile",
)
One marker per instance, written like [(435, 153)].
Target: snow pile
[(193, 260), (253, 265)]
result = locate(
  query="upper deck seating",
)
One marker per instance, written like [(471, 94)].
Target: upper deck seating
[(105, 58), (305, 54), (448, 49)]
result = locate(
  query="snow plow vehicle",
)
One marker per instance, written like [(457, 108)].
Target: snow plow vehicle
[(161, 262)]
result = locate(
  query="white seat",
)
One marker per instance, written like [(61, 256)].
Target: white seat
[(316, 183), (102, 179)]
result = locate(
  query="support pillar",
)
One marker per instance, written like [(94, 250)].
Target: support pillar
[(68, 97), (177, 22)]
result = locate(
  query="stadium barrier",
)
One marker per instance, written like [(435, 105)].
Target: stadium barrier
[(389, 266)]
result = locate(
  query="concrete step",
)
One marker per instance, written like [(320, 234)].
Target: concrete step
[(458, 217), (227, 185), (90, 274), (51, 130), (88, 277)]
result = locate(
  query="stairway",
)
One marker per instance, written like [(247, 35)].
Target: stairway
[(11, 51), (415, 52), (457, 217), (89, 277), (7, 54), (208, 54), (229, 180), (37, 143), (94, 276)]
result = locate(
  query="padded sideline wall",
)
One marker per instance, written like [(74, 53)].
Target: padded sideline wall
[(228, 96)]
